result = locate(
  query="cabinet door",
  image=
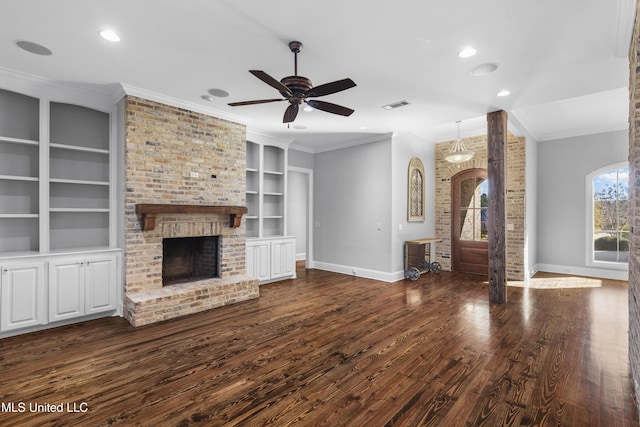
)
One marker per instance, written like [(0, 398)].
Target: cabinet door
[(283, 261), (66, 289), (23, 296), (100, 284), (257, 261)]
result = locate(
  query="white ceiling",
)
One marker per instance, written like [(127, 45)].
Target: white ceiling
[(565, 62)]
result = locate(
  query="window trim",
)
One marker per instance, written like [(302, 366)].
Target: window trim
[(590, 261)]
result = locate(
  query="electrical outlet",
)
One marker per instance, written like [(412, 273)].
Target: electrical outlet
[(194, 174)]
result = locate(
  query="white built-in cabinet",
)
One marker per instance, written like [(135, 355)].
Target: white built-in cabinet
[(58, 254), (270, 252), (283, 258), (271, 259), (23, 296), (258, 258), (81, 286)]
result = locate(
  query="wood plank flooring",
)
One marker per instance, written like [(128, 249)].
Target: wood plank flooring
[(334, 350)]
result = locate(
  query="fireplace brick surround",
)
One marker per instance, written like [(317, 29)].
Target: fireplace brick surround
[(164, 146)]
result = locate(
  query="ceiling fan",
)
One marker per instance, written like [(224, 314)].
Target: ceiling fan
[(297, 89)]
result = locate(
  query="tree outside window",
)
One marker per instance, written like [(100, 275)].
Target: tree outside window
[(610, 216)]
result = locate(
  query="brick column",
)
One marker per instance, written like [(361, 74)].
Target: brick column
[(634, 206)]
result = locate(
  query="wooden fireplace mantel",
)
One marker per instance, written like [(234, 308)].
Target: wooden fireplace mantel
[(149, 212)]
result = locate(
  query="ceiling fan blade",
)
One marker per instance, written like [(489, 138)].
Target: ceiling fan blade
[(330, 108), (290, 113), (329, 88), (258, 101), (272, 82)]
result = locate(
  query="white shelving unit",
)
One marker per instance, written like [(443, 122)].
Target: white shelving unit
[(79, 176), (19, 172), (57, 202), (270, 254)]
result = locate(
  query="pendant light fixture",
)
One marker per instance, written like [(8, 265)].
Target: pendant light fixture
[(458, 152)]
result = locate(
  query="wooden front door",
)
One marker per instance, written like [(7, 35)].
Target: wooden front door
[(469, 238)]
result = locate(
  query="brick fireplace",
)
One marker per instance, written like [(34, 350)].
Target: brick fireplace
[(175, 157)]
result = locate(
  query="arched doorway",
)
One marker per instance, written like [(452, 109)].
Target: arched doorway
[(469, 211)]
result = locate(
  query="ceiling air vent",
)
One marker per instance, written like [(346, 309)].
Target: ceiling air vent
[(395, 105)]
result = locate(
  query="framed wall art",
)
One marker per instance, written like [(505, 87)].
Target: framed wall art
[(415, 185)]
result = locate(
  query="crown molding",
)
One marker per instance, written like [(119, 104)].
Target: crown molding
[(89, 95), (346, 144), (267, 139), (128, 90), (625, 20)]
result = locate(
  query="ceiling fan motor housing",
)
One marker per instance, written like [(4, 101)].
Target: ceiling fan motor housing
[(297, 84)]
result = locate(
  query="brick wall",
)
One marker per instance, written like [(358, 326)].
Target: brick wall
[(634, 206), (515, 199), (164, 147)]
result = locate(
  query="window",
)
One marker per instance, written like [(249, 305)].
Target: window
[(474, 209), (608, 244)]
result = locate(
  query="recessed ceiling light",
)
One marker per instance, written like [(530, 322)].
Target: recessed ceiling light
[(35, 48), (110, 35), (308, 108), (299, 127), (504, 93), (484, 69), (396, 104), (363, 128), (220, 93), (209, 98), (467, 52)]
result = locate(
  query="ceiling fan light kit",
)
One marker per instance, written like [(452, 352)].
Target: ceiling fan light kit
[(298, 89)]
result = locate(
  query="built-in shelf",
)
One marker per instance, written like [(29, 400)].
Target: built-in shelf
[(79, 148), (19, 215), (78, 181), (149, 212), (18, 140), (265, 190), (77, 210), (19, 178)]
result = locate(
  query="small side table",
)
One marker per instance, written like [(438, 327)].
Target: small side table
[(417, 260)]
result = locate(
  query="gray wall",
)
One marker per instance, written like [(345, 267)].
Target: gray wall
[(405, 147), (352, 195), (562, 168), (300, 159)]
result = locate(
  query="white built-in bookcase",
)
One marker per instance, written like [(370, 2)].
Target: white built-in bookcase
[(270, 253), (266, 183), (56, 162)]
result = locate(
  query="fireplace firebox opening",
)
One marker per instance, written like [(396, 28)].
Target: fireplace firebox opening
[(189, 259)]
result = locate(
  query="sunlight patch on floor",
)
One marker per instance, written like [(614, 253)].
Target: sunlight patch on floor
[(557, 281)]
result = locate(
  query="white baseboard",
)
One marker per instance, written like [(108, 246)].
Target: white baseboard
[(359, 272), (601, 273), (300, 257)]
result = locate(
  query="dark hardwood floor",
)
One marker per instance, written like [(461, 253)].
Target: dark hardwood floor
[(334, 350)]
